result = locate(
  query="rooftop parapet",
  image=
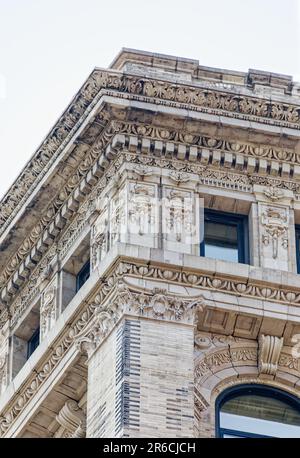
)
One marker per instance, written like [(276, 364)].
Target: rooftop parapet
[(181, 69)]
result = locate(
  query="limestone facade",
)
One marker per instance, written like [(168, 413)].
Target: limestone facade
[(146, 344)]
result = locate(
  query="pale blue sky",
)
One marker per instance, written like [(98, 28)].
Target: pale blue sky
[(48, 48)]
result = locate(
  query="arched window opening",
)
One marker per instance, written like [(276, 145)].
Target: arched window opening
[(257, 411)]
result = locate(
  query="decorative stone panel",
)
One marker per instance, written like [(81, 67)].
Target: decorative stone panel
[(4, 357), (132, 216), (100, 237), (49, 307), (180, 220), (274, 236)]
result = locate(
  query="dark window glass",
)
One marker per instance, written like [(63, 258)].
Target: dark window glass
[(225, 237), (298, 248), (257, 411), (33, 342), (83, 275)]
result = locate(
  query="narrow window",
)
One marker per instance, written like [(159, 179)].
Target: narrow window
[(75, 271), (33, 342), (26, 338), (225, 237), (83, 275)]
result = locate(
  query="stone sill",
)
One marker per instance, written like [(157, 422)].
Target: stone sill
[(229, 270)]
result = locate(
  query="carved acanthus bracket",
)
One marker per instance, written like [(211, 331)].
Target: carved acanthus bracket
[(92, 336), (156, 304), (269, 352), (48, 310), (72, 420), (159, 304)]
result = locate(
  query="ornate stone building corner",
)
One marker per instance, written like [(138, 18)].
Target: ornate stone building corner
[(150, 259)]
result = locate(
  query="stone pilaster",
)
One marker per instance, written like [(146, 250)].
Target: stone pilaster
[(141, 369), (140, 381)]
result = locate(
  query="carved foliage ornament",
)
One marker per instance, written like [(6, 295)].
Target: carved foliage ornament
[(142, 209), (159, 305), (218, 352), (72, 420), (273, 193)]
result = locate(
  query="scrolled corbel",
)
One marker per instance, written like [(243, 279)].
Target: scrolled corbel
[(269, 352)]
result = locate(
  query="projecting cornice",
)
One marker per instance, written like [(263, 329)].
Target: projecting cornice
[(228, 102), (185, 156)]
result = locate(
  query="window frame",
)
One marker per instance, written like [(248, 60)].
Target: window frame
[(229, 219), (35, 335), (86, 267), (297, 236), (256, 389)]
